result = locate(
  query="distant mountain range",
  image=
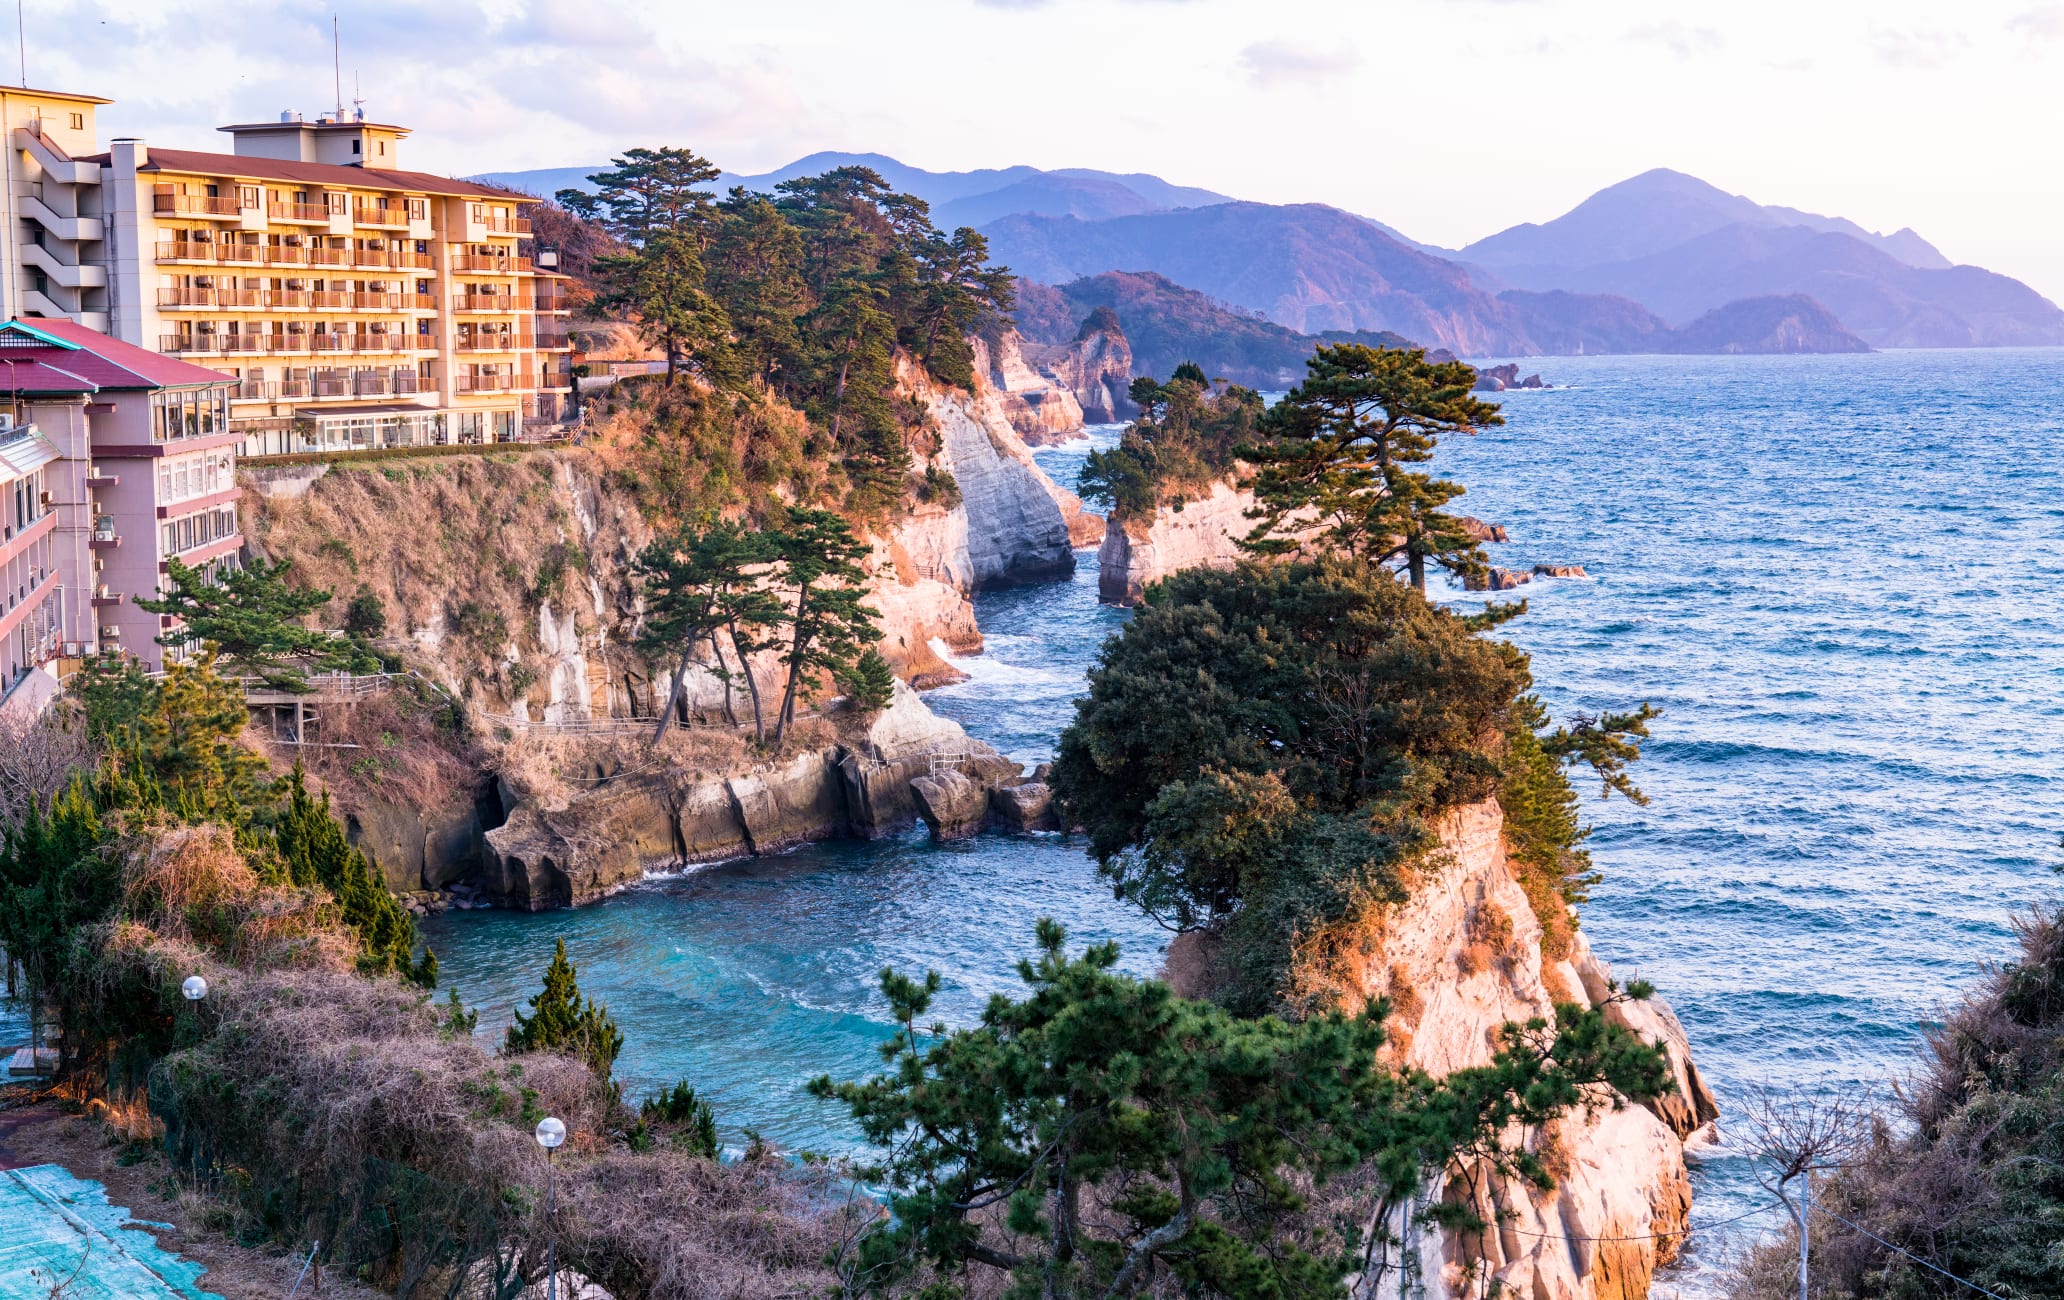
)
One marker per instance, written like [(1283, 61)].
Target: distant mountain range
[(1647, 265), (958, 198)]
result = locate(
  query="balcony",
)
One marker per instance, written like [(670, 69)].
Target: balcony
[(490, 264), (240, 254), (501, 304), (376, 301), (483, 383), (554, 341), (104, 534), (409, 259), (241, 298), (293, 387), (552, 302), (496, 342), (328, 256), (419, 302), (185, 250), (194, 205), (286, 255), (312, 213), (253, 390), (328, 299), (185, 298), (393, 215)]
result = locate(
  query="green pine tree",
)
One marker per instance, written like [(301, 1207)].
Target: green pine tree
[(314, 851), (691, 1124), (252, 620), (828, 626), (1339, 456), (561, 1020), (870, 683)]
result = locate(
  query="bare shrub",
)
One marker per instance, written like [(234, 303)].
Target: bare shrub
[(38, 754)]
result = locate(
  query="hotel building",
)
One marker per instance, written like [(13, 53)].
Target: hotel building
[(355, 304)]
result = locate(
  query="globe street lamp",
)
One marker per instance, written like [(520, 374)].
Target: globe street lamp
[(195, 988), (550, 1133)]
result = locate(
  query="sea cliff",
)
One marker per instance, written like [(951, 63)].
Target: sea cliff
[(1197, 533), (1464, 955)]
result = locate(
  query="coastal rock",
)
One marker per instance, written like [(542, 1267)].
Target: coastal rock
[(1017, 526), (1040, 409), (1024, 806), (800, 801), (953, 804), (1497, 579), (1496, 379), (1463, 956), (1560, 571), (919, 583), (1481, 532), (1097, 367), (1199, 533), (416, 847)]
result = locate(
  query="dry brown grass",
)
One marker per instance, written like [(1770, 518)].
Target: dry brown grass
[(554, 769), (188, 888)]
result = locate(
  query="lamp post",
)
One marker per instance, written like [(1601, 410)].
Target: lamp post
[(550, 1133), (195, 988)]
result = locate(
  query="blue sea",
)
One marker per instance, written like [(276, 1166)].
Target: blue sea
[(1840, 578)]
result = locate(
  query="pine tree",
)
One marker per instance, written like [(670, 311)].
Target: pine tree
[(561, 1020), (1338, 456), (692, 1123), (829, 626), (700, 582), (252, 620), (314, 851), (870, 683)]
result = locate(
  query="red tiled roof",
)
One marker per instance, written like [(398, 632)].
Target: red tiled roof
[(280, 169), (105, 362)]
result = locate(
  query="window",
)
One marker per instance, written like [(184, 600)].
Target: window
[(356, 146), (383, 148), (78, 121)]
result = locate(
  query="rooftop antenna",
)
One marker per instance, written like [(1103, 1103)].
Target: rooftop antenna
[(336, 65), (357, 98), (21, 36)]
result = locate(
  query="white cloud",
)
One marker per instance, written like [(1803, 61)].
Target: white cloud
[(1274, 65), (1685, 42), (2043, 23), (1918, 49)]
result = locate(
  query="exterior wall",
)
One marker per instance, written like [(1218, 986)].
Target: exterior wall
[(72, 487), (52, 262), (135, 513), (29, 635)]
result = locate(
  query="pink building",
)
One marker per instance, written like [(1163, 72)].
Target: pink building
[(140, 468)]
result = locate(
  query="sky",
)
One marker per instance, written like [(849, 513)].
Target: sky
[(1448, 119)]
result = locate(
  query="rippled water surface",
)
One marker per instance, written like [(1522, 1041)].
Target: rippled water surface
[(1841, 578)]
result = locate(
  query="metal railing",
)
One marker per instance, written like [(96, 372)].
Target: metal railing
[(195, 205), (297, 212)]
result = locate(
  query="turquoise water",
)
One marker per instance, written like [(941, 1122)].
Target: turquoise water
[(1841, 578)]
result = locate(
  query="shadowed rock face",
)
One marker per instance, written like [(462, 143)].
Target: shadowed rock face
[(1201, 534), (952, 804)]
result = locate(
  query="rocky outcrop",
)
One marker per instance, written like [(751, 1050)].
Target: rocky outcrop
[(953, 804), (1497, 579), (1496, 379), (1038, 408), (1023, 805), (418, 847), (1463, 956), (1481, 532), (1016, 519), (1200, 532), (1560, 571), (1096, 367)]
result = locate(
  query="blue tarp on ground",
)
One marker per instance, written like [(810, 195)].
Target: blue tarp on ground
[(55, 1227)]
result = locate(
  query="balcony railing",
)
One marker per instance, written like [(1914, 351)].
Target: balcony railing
[(419, 301), (293, 388), (495, 223), (195, 205), (186, 297), (381, 214), (496, 342), (246, 254), (288, 344), (490, 264), (370, 301), (553, 340), (253, 390), (185, 250), (490, 302), (297, 212), (483, 383), (328, 256), (241, 297)]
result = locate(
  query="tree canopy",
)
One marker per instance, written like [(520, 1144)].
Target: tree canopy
[(1260, 750), (252, 619), (1187, 435), (561, 1020), (1338, 456)]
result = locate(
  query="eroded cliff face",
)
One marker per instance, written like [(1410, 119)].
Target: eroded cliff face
[(1020, 526), (1462, 957), (1200, 532), (1039, 407), (1096, 368)]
